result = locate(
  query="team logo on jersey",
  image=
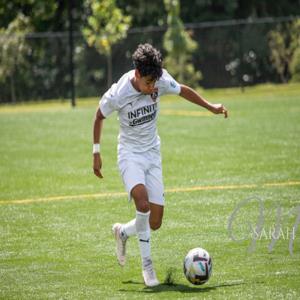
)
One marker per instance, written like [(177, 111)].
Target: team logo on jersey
[(173, 84), (154, 96), (142, 115)]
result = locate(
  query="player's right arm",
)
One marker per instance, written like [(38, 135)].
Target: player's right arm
[(98, 124)]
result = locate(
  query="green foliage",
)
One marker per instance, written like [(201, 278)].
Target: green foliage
[(179, 46), (106, 25), (44, 15), (144, 13), (283, 42), (210, 10), (88, 70), (13, 49), (13, 45), (295, 66)]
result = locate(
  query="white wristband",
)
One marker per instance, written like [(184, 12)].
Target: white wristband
[(96, 148)]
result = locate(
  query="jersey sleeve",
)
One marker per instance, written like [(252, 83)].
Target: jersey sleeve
[(168, 84), (109, 102)]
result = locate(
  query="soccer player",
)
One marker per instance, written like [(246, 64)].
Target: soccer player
[(135, 97)]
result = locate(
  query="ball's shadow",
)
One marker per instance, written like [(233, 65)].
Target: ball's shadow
[(182, 288)]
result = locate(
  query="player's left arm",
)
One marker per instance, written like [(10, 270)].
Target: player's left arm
[(191, 95)]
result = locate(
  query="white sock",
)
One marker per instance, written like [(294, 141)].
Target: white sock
[(146, 261), (128, 229), (143, 232)]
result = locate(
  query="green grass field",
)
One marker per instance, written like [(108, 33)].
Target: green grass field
[(56, 216)]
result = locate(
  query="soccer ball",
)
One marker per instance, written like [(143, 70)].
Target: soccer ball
[(197, 266)]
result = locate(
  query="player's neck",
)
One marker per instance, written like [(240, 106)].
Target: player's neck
[(135, 84)]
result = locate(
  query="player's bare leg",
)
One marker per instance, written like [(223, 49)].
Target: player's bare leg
[(140, 196), (156, 216)]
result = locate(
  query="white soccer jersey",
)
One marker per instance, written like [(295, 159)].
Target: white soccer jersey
[(137, 112)]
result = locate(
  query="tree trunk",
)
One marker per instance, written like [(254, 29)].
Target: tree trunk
[(109, 70), (12, 89)]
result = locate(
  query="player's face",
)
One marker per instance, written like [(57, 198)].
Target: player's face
[(146, 84)]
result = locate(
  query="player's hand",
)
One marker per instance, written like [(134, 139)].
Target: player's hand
[(97, 165), (219, 109)]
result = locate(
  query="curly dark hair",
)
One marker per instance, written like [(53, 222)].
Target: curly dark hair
[(148, 61)]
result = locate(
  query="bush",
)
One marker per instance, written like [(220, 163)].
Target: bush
[(295, 66)]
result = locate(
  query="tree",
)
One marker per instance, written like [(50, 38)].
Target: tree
[(283, 43), (105, 26), (179, 46), (143, 12), (13, 50)]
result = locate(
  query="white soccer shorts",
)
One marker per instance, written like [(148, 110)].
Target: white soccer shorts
[(143, 168)]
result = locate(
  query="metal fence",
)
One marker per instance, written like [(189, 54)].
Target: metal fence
[(230, 53)]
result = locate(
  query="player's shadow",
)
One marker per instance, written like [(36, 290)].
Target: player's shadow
[(182, 288)]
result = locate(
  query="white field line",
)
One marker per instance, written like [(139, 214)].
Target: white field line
[(171, 190)]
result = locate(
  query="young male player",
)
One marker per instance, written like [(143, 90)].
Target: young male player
[(135, 97)]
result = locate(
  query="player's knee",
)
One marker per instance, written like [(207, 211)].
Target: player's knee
[(140, 196), (154, 225), (143, 206)]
